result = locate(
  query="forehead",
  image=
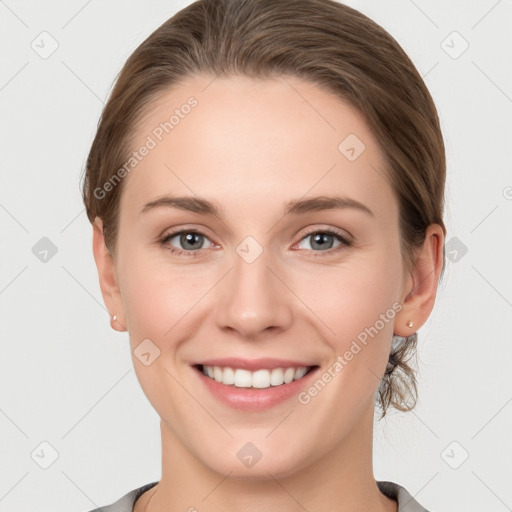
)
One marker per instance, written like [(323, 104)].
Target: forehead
[(237, 140)]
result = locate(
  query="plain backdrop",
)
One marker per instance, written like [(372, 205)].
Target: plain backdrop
[(76, 430)]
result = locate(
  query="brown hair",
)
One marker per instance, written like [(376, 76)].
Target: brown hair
[(323, 42)]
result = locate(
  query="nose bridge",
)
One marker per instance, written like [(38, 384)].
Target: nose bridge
[(253, 298)]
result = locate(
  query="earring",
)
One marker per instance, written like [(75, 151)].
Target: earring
[(409, 324), (116, 325)]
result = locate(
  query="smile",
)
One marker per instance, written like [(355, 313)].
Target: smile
[(260, 379)]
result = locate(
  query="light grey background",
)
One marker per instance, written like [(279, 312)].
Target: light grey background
[(66, 379)]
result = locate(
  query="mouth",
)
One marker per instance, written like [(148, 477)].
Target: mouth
[(254, 384), (263, 378)]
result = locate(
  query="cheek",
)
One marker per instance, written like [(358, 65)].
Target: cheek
[(357, 312), (155, 296), (148, 303), (353, 297), (356, 305), (156, 299)]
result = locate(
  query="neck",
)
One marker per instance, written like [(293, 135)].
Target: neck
[(340, 480)]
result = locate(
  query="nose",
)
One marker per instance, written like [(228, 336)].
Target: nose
[(254, 300)]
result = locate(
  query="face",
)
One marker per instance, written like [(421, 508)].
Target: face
[(273, 278)]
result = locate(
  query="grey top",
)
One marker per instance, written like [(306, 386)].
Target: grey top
[(406, 503)]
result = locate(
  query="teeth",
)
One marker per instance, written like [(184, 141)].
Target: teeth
[(259, 379)]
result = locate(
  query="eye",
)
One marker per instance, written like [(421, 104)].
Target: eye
[(322, 240), (190, 241)]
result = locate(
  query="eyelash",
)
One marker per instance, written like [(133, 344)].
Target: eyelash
[(180, 252)]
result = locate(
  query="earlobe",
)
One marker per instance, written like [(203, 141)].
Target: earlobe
[(105, 265), (114, 323), (421, 287)]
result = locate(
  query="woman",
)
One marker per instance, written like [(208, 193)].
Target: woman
[(266, 193)]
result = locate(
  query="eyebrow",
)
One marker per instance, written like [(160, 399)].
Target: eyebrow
[(295, 207)]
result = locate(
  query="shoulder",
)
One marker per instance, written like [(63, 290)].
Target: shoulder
[(125, 504), (406, 502)]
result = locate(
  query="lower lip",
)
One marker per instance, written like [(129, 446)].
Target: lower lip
[(254, 399)]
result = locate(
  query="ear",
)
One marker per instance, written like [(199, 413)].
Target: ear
[(419, 291), (107, 276)]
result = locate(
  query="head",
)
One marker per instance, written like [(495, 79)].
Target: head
[(251, 110)]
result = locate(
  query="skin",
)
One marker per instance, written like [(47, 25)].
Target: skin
[(251, 145)]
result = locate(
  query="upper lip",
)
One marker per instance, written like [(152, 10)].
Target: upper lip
[(254, 364)]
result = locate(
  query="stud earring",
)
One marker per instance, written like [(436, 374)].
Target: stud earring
[(409, 324), (116, 325)]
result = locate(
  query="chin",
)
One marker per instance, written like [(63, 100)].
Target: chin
[(246, 462)]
